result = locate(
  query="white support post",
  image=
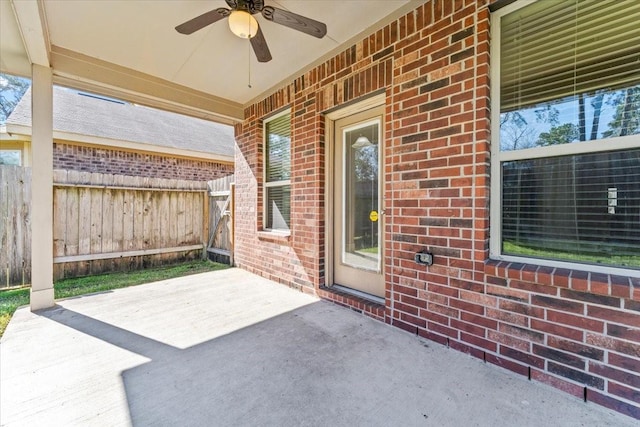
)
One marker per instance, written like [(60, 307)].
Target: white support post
[(41, 188)]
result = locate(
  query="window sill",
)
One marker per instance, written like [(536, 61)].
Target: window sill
[(275, 236), (542, 277), (560, 265)]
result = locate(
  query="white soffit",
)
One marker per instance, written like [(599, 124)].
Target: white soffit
[(13, 55), (139, 35)]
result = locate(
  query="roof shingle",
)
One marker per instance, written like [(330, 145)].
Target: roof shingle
[(85, 114)]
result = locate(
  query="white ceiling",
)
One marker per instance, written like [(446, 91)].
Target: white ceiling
[(129, 37)]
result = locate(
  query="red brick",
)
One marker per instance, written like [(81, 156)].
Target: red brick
[(576, 375), (554, 329), (507, 317), (468, 327), (525, 309), (559, 356), (507, 364), (505, 292), (465, 348), (614, 404), (559, 383), (614, 374), (624, 391), (533, 287), (435, 203), (405, 326), (519, 332), (614, 344), (617, 316), (624, 362), (523, 357), (509, 341), (575, 347), (479, 320), (478, 341), (467, 306), (577, 321), (590, 298), (624, 332), (558, 304), (443, 330)]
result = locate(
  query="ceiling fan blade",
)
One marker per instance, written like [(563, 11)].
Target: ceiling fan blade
[(260, 48), (202, 21), (293, 20)]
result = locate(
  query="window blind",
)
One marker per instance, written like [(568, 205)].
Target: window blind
[(583, 208), (555, 49), (278, 173), (278, 149), (278, 207)]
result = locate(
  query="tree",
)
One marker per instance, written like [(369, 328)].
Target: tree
[(561, 134), (12, 89), (515, 132), (366, 163), (626, 119), (596, 104)]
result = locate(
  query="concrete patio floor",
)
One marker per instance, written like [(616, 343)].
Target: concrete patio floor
[(231, 348)]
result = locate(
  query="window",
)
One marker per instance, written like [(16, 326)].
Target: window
[(10, 157), (277, 180), (566, 131)]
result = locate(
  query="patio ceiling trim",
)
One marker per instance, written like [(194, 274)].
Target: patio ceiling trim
[(83, 72), (32, 26), (372, 29), (78, 139)]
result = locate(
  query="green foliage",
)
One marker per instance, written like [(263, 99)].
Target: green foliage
[(562, 134), (626, 119), (10, 300), (512, 248), (11, 90), (366, 163)]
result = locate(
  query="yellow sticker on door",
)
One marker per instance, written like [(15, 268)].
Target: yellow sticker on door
[(373, 216)]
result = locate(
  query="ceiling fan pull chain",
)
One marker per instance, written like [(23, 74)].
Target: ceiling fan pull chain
[(249, 46)]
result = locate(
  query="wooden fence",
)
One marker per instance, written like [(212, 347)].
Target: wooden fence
[(221, 202), (15, 229), (114, 222), (105, 223)]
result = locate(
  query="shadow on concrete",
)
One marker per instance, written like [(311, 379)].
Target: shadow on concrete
[(322, 365)]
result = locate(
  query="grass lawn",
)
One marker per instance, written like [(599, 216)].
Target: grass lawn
[(510, 248), (10, 300), (373, 250)]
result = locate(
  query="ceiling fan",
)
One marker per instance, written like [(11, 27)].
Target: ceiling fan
[(244, 25)]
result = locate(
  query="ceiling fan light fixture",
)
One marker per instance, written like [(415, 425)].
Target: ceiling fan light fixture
[(242, 24), (362, 142)]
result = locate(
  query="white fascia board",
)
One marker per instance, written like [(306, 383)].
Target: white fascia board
[(6, 136), (33, 28), (70, 137)]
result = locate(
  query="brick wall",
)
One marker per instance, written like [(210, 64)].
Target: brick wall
[(130, 163), (577, 331)]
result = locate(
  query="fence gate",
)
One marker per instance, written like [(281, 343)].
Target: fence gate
[(221, 197), (15, 226)]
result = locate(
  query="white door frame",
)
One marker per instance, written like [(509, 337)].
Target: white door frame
[(329, 167)]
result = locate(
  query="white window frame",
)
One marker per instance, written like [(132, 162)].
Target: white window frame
[(498, 157), (267, 185)]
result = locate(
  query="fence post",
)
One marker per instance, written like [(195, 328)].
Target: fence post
[(232, 216), (205, 224)]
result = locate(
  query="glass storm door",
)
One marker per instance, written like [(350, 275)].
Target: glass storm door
[(358, 212)]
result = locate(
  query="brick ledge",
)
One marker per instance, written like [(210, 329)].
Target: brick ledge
[(356, 303)]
